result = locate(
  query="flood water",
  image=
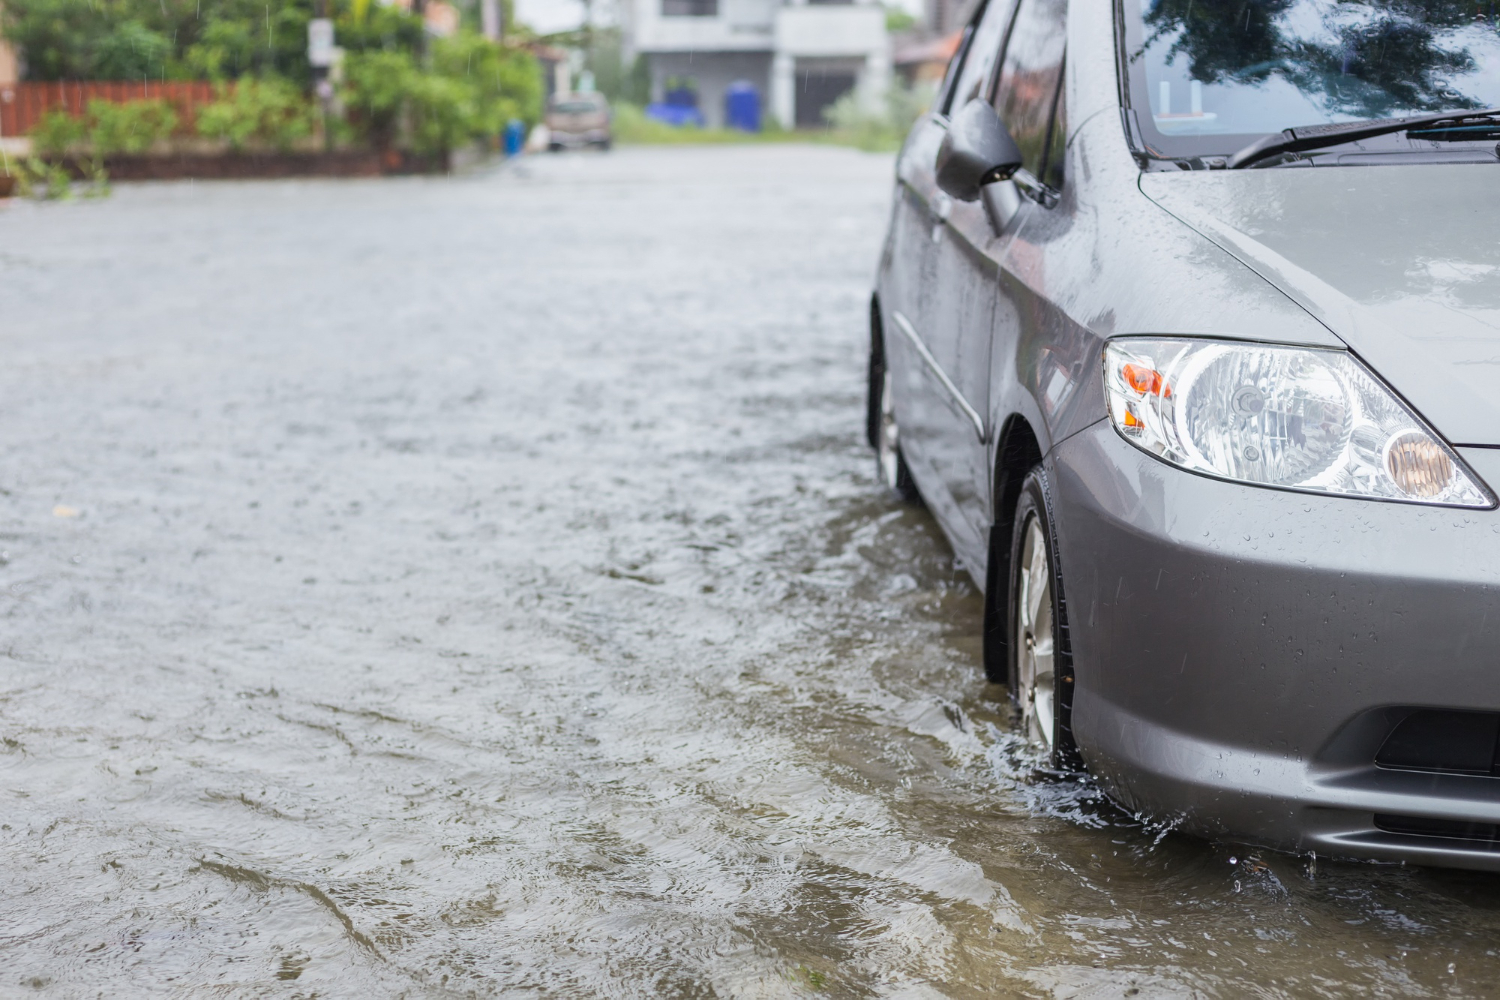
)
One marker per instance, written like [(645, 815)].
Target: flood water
[(477, 586)]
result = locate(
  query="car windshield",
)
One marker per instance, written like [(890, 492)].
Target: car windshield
[(575, 108), (1216, 74)]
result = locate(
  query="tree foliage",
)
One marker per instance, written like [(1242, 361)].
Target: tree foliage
[(402, 89), (268, 112), (105, 128), (469, 88), (159, 39)]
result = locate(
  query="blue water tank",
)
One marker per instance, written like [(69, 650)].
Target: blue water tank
[(515, 136), (742, 106)]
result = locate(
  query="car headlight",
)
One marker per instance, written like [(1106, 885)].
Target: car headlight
[(1289, 417)]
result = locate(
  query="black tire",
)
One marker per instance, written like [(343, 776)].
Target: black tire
[(875, 377), (884, 433), (1035, 508), (996, 647)]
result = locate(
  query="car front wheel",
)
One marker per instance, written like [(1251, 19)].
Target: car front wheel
[(1041, 664)]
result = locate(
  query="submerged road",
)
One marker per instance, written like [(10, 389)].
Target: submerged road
[(477, 586)]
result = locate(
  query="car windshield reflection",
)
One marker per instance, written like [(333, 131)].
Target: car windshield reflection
[(1223, 67)]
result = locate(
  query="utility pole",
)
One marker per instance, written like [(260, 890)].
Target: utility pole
[(320, 58), (419, 8), (491, 21), (588, 37)]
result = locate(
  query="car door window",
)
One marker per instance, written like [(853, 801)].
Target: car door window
[(983, 48), (1028, 95), (955, 65)]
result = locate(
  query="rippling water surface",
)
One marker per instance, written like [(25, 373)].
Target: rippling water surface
[(477, 587)]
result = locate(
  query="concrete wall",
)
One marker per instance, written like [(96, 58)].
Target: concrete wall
[(739, 26), (813, 37), (771, 44)]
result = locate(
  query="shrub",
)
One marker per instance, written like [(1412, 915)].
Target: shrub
[(37, 178), (132, 127), (877, 130), (57, 133), (269, 112), (104, 129)]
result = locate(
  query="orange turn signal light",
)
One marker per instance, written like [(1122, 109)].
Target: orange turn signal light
[(1131, 420), (1145, 380)]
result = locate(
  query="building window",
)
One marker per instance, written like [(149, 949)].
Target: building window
[(690, 8)]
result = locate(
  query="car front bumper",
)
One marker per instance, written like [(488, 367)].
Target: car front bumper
[(1242, 653)]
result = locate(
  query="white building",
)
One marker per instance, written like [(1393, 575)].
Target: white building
[(800, 56)]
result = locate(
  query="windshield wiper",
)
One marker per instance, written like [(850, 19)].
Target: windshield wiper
[(1300, 140)]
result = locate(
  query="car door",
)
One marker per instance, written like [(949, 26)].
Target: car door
[(927, 417), (976, 236), (906, 281)]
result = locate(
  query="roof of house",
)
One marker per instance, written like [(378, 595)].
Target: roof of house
[(932, 50)]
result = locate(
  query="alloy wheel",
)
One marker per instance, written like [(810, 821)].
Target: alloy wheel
[(888, 442), (1034, 646)]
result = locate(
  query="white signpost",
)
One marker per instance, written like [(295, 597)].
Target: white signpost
[(320, 42)]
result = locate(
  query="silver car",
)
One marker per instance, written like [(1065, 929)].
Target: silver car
[(1187, 330), (581, 119)]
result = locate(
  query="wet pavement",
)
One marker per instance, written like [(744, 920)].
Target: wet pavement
[(477, 587)]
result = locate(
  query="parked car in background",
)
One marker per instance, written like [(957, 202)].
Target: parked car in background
[(1185, 330), (578, 120)]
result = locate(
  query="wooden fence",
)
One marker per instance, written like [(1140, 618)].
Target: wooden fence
[(22, 105)]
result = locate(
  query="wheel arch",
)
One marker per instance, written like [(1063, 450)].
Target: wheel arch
[(1017, 452)]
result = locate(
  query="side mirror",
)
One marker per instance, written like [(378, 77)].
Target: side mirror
[(976, 151)]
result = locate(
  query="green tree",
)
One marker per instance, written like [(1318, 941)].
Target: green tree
[(899, 19), (131, 51), (176, 39), (59, 37), (507, 82), (469, 90)]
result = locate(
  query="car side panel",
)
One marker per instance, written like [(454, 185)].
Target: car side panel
[(908, 294), (974, 318)]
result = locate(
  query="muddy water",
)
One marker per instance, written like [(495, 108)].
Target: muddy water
[(477, 587)]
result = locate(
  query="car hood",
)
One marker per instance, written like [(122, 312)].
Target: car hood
[(1401, 262)]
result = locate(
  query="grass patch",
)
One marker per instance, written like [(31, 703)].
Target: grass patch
[(880, 130), (633, 127)]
